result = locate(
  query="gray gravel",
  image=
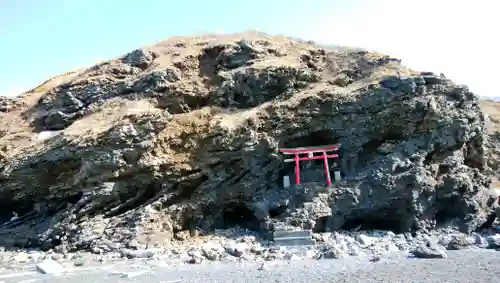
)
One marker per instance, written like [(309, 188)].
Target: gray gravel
[(472, 265)]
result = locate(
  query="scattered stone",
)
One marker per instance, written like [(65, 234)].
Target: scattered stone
[(62, 249), (182, 235), (195, 256), (429, 251), (195, 260), (133, 244), (211, 252), (313, 254), (49, 266), (21, 257), (57, 257), (142, 253), (78, 262), (444, 240), (236, 249), (493, 241), (480, 241), (257, 249), (364, 239), (292, 257), (331, 246), (333, 253), (247, 257), (458, 243), (131, 274), (272, 255), (337, 245), (354, 250)]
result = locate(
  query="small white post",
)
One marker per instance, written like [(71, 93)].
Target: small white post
[(337, 176), (286, 181)]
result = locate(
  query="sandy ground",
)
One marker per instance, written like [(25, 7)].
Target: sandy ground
[(471, 265)]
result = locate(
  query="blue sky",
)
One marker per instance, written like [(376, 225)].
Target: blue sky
[(40, 39)]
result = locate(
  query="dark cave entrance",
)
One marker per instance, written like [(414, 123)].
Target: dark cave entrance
[(448, 211), (26, 208), (278, 211), (318, 138), (444, 218), (376, 223), (8, 208), (321, 224), (236, 214), (386, 219)]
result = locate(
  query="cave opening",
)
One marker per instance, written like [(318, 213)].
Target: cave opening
[(321, 224), (375, 222), (317, 138), (11, 208), (75, 198), (444, 217), (278, 211), (135, 197), (448, 211), (236, 214)]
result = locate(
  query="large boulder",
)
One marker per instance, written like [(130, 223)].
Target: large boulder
[(187, 133)]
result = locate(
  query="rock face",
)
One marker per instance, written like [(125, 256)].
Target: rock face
[(187, 133)]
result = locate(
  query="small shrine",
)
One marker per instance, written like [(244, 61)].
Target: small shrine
[(311, 153)]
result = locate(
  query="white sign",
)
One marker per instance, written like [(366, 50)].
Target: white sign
[(286, 181), (337, 176)]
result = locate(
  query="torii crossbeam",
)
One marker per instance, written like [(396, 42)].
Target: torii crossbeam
[(310, 156)]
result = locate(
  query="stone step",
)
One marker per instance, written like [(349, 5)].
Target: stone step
[(292, 234), (286, 242)]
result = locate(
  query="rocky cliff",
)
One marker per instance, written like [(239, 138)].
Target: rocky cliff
[(186, 133)]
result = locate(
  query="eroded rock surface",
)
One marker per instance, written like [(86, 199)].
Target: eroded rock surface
[(187, 133)]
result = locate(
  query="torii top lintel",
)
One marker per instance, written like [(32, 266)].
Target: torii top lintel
[(322, 148)]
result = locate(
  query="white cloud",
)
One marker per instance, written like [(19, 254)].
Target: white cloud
[(456, 38)]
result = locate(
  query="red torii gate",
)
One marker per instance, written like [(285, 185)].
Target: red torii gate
[(310, 156)]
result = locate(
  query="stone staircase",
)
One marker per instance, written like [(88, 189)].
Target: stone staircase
[(286, 238)]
